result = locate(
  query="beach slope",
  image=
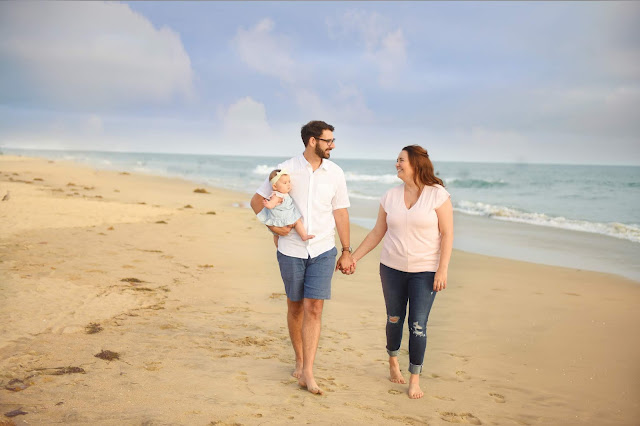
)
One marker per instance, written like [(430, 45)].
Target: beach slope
[(178, 293)]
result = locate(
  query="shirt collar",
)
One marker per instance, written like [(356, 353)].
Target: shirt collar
[(305, 163)]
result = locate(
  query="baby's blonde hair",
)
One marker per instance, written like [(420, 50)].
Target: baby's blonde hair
[(273, 173)]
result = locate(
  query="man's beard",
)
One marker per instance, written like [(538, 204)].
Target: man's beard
[(322, 154)]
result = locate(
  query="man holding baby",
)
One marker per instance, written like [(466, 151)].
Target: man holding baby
[(319, 191)]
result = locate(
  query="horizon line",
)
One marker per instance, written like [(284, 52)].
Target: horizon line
[(285, 156)]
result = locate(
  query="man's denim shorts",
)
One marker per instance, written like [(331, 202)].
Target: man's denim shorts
[(308, 278)]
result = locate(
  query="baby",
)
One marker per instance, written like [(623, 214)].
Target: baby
[(279, 208)]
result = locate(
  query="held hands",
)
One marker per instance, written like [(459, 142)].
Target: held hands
[(346, 264)]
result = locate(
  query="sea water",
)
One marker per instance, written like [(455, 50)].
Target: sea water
[(583, 216)]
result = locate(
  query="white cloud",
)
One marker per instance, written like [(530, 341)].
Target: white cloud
[(268, 53), (245, 121), (89, 54), (94, 125), (384, 47), (391, 58)]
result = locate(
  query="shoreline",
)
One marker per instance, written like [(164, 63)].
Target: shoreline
[(514, 240), (202, 336)]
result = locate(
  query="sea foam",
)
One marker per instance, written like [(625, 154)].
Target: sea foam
[(629, 232)]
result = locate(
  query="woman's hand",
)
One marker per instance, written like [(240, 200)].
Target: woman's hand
[(345, 264), (440, 280)]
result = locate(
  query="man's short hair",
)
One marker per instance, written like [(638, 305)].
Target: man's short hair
[(314, 129)]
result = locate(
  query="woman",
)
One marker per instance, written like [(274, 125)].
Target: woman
[(416, 219)]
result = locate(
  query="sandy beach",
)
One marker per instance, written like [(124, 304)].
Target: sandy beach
[(183, 289)]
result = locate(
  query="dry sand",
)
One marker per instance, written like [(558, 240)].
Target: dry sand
[(202, 339)]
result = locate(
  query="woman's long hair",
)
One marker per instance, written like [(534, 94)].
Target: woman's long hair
[(423, 174)]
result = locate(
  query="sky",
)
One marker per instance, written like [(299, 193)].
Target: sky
[(540, 82)]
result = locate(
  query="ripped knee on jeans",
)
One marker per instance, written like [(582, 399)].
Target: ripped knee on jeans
[(393, 319)]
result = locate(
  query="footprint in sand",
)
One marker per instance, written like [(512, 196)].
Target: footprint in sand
[(330, 381), (460, 418), (462, 376), (395, 392), (152, 365), (443, 398), (462, 358), (498, 398)]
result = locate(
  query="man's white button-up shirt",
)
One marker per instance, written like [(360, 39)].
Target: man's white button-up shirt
[(316, 194)]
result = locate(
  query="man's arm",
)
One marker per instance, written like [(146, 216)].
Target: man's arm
[(345, 261), (256, 205)]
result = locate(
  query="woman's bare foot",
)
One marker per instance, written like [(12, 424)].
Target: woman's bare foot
[(414, 387), (394, 371), (310, 383)]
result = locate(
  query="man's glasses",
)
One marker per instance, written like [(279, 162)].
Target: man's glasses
[(328, 141)]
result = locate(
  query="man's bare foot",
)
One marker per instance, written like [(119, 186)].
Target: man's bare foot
[(414, 387), (297, 373), (394, 371), (310, 384), (308, 237)]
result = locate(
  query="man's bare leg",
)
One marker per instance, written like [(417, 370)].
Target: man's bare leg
[(311, 324), (295, 314)]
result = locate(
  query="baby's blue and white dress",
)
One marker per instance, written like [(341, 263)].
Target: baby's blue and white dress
[(285, 213)]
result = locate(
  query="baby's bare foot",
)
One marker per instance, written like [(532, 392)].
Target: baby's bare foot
[(308, 237)]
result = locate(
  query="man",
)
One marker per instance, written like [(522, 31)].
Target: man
[(319, 190)]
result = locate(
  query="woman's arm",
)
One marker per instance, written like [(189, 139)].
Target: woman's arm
[(445, 224), (373, 238)]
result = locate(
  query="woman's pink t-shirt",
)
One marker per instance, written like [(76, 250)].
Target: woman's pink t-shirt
[(412, 240)]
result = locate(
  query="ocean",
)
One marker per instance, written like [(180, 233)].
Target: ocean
[(579, 216)]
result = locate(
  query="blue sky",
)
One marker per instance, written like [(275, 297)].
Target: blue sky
[(551, 82)]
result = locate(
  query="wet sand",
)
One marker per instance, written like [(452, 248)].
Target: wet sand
[(192, 304)]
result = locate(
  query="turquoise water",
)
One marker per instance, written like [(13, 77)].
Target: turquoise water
[(586, 217), (595, 199)]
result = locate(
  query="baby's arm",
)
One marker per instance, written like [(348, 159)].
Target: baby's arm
[(273, 201)]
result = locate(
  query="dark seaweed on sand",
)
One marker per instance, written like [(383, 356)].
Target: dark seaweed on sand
[(108, 355), (59, 371), (15, 413), (16, 385), (93, 328), (131, 280), (200, 191)]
